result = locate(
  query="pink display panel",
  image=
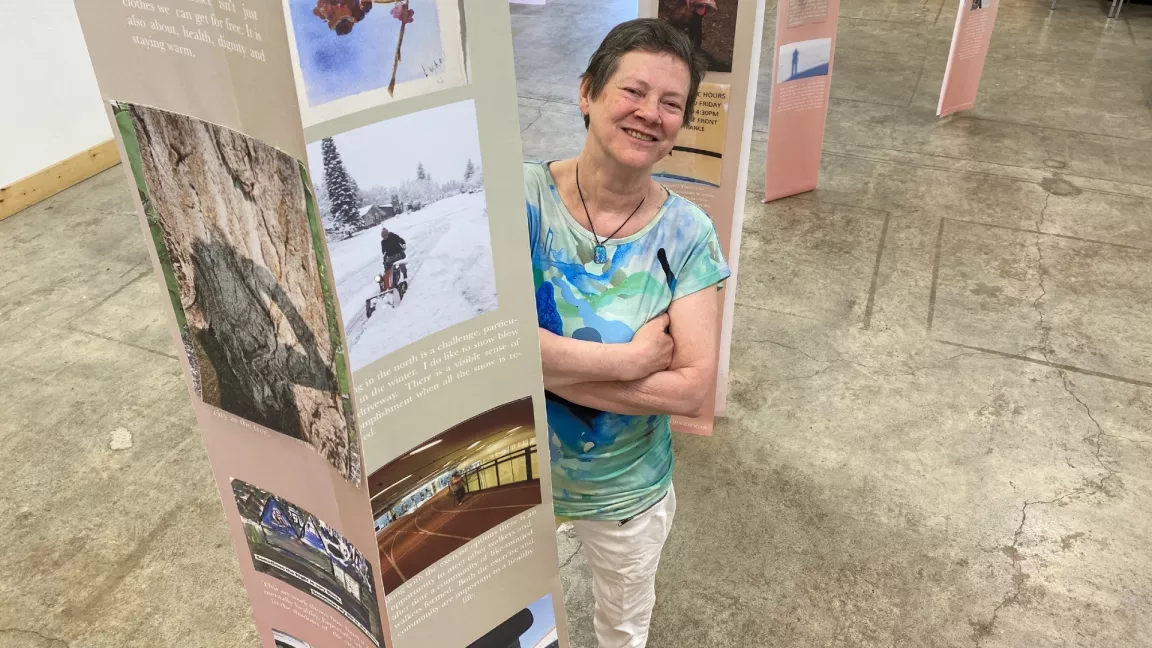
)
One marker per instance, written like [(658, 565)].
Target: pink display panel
[(970, 38), (801, 81)]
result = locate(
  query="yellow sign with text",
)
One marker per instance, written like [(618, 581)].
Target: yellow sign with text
[(699, 151)]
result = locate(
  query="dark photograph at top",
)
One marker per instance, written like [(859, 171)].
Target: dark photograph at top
[(237, 233), (709, 24)]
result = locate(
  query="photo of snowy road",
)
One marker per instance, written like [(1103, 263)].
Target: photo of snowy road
[(420, 176), (450, 277)]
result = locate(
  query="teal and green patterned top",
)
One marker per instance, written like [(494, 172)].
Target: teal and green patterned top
[(608, 466)]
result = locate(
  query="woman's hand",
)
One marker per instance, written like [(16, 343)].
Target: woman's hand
[(650, 350)]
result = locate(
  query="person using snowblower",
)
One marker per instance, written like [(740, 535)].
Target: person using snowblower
[(394, 278), (393, 248)]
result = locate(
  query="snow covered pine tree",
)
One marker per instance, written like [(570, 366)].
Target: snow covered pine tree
[(343, 193)]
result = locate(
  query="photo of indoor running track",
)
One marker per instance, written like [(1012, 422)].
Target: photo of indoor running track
[(453, 488)]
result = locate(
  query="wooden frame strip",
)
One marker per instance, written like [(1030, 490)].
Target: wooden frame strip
[(47, 183)]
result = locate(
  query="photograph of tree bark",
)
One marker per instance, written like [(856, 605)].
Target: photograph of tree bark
[(237, 232)]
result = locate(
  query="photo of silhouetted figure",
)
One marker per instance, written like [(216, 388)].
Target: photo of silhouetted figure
[(803, 60)]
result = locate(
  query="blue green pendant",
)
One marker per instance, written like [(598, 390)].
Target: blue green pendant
[(601, 254)]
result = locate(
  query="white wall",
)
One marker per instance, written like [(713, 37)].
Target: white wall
[(50, 106)]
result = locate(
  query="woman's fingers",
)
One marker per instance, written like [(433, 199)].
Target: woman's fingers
[(658, 324)]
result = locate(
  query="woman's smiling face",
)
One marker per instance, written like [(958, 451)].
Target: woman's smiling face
[(639, 112)]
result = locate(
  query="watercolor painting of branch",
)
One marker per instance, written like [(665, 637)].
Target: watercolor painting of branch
[(350, 47)]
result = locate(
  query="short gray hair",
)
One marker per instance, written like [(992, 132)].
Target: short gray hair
[(643, 35)]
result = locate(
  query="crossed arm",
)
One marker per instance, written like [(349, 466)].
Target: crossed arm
[(655, 373)]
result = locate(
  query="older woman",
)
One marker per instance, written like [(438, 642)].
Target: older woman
[(626, 274)]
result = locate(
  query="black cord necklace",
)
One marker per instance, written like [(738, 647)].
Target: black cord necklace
[(601, 253)]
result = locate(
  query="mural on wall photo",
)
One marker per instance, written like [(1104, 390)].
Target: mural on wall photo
[(234, 225), (297, 548), (710, 24), (403, 206), (353, 54), (453, 488)]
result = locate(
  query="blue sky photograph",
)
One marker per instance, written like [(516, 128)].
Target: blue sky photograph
[(543, 622)]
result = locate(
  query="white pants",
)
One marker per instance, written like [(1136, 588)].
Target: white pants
[(623, 559)]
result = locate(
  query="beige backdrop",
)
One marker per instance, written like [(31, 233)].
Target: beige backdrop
[(252, 91)]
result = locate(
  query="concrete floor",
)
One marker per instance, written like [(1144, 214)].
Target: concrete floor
[(940, 428)]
